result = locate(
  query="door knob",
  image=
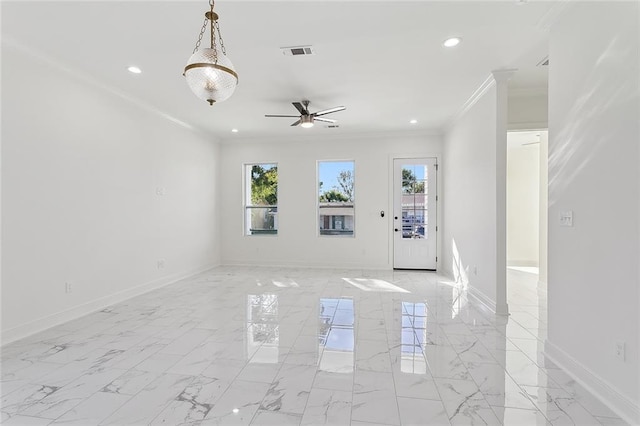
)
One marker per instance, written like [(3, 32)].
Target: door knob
[(396, 229)]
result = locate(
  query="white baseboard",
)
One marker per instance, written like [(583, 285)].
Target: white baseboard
[(623, 406), (41, 324), (482, 298), (296, 264)]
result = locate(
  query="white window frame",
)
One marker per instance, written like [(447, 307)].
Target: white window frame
[(318, 233), (247, 205)]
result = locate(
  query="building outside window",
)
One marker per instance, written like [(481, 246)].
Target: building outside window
[(414, 201), (336, 198)]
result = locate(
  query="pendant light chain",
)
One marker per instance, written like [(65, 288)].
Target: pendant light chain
[(224, 52), (213, 33), (202, 30), (214, 27)]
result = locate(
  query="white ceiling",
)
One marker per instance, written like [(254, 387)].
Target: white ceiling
[(382, 60)]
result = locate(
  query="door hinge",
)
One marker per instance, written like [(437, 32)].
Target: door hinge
[(436, 258), (436, 198), (436, 167), (436, 229)]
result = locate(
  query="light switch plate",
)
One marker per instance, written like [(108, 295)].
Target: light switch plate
[(620, 350), (566, 218)]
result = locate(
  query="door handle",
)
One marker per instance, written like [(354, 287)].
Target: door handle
[(396, 229)]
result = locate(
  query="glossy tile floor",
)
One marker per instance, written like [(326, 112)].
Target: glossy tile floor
[(292, 346)]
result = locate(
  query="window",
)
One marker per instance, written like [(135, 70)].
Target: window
[(336, 197), (335, 335), (414, 201), (261, 199), (263, 334), (413, 338)]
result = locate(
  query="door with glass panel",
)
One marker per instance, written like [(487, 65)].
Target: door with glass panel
[(414, 215)]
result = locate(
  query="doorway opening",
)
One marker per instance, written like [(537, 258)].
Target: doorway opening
[(527, 153)]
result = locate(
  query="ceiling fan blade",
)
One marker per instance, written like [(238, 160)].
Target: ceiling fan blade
[(300, 108), (329, 111), (326, 120), (296, 123), (288, 116)]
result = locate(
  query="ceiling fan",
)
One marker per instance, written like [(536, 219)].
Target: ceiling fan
[(306, 119)]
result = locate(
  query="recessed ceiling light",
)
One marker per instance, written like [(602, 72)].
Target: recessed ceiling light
[(235, 411), (451, 42), (134, 70), (234, 130), (413, 121)]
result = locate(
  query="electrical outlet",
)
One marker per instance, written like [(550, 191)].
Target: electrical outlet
[(620, 350), (67, 287), (160, 263)]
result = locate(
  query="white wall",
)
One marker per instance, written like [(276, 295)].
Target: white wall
[(528, 109), (469, 168), (80, 170), (543, 210), (523, 189), (594, 131), (297, 242)]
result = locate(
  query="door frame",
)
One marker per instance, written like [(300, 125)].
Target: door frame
[(439, 210)]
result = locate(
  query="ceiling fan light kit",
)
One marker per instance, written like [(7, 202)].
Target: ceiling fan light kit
[(307, 119), (209, 72)]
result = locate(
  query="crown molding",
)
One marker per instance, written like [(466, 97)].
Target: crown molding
[(525, 92), (38, 55), (496, 76), (503, 75), (371, 136), (487, 84), (527, 126)]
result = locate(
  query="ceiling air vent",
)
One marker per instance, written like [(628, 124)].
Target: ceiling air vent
[(297, 50), (544, 62)]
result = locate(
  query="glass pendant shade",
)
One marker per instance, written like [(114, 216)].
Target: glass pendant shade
[(210, 80)]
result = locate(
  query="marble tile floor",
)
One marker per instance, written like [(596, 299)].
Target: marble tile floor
[(261, 346)]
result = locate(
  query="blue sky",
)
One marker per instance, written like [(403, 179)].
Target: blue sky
[(329, 170), (418, 170)]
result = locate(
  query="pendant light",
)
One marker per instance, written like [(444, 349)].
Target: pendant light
[(209, 73)]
